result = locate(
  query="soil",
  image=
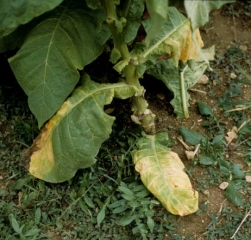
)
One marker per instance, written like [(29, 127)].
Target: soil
[(223, 31)]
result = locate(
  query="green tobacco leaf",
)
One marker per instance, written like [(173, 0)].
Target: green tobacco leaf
[(15, 13), (12, 41), (165, 70), (133, 18), (162, 172), (158, 16), (72, 138), (198, 11), (174, 39), (191, 137), (47, 64)]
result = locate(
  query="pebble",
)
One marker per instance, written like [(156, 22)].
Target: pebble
[(223, 185), (243, 48), (248, 179), (203, 79), (233, 76), (161, 96)]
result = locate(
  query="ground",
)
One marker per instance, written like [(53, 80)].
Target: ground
[(39, 206)]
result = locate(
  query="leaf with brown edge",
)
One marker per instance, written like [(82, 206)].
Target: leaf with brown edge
[(162, 172), (72, 138), (174, 39)]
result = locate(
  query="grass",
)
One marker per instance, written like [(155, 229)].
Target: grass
[(108, 200)]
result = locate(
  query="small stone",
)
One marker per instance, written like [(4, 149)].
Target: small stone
[(223, 185), (161, 96), (206, 192), (203, 79), (233, 76), (248, 179), (109, 110), (243, 48), (190, 155)]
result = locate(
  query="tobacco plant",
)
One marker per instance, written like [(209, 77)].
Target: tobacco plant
[(57, 39)]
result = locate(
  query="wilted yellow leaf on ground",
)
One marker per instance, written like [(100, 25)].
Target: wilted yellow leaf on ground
[(162, 172)]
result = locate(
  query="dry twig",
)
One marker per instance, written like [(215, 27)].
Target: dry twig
[(243, 220)]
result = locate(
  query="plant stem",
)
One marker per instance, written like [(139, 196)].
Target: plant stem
[(111, 20), (141, 114), (130, 70), (183, 93)]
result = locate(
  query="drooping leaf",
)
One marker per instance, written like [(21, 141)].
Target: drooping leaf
[(165, 71), (173, 39), (133, 20), (72, 138), (162, 172), (47, 65), (158, 15), (15, 13), (198, 11), (191, 137)]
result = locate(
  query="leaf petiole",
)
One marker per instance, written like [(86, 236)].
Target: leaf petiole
[(183, 93)]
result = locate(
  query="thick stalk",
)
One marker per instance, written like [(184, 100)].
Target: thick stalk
[(111, 18), (141, 114)]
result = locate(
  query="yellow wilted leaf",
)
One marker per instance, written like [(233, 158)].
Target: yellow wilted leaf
[(162, 172)]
